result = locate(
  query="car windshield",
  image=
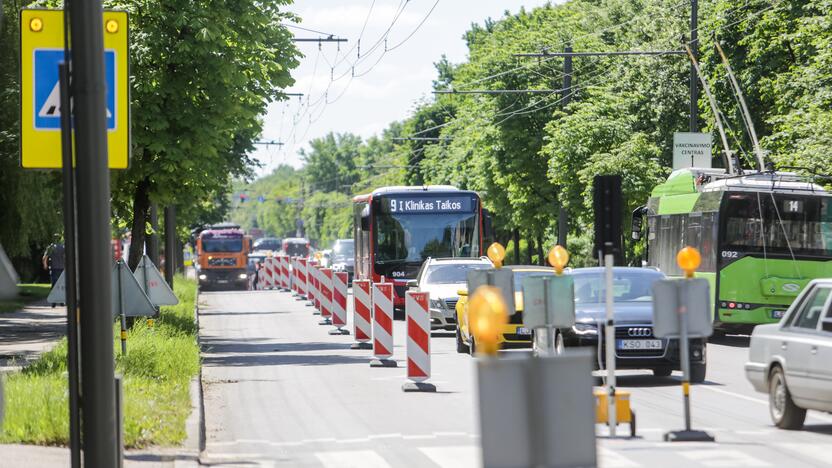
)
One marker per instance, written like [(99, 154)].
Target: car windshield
[(343, 250), (628, 286), (452, 274), (267, 244), (222, 245), (296, 249)]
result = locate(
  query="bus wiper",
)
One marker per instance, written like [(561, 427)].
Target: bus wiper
[(388, 262)]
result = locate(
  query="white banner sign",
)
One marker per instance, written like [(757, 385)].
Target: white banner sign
[(691, 150)]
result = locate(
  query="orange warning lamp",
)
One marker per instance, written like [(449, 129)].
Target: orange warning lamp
[(488, 316), (36, 25), (688, 260), (111, 26), (496, 252), (558, 258)]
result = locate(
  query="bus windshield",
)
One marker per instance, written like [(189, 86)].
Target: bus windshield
[(777, 223), (411, 238)]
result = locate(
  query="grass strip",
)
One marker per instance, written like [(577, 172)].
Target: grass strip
[(26, 293), (160, 362)]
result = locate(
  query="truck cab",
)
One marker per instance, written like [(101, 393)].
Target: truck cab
[(223, 259)]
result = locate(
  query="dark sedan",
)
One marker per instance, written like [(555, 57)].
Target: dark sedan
[(635, 345)]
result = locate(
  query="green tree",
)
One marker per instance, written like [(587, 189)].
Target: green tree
[(203, 73)]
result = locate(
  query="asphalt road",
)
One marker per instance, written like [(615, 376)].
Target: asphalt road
[(280, 391)]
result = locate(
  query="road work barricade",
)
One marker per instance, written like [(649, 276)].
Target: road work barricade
[(311, 266), (263, 277), (382, 325), (284, 272), (326, 296), (418, 342), (339, 302), (302, 265), (317, 281), (274, 273), (362, 316), (293, 276)]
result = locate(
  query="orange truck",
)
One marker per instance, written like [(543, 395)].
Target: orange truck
[(223, 259)]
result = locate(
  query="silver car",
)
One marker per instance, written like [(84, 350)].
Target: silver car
[(443, 278), (791, 360)]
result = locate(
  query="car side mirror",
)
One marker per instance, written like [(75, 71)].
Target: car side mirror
[(412, 284)]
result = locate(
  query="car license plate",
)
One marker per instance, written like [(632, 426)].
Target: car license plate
[(636, 345), (777, 314), (523, 331), (222, 281)]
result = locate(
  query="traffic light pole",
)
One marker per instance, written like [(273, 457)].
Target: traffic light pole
[(95, 265), (694, 45)]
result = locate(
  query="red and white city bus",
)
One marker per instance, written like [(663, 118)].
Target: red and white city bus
[(397, 228)]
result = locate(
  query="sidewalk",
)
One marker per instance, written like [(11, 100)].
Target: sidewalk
[(27, 333)]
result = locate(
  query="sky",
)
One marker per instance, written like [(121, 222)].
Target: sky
[(387, 84)]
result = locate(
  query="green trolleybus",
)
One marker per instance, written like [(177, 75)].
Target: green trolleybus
[(763, 236)]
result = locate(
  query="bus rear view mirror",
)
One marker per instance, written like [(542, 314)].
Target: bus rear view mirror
[(638, 220), (365, 222)]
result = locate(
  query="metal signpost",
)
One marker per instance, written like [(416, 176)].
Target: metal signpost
[(681, 310), (97, 78), (549, 301)]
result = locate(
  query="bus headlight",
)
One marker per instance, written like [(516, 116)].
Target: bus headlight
[(203, 276), (243, 276)]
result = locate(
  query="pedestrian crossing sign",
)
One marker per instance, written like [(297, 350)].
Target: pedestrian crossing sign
[(42, 50)]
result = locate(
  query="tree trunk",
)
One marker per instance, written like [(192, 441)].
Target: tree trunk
[(516, 234), (529, 249), (540, 254), (141, 203)]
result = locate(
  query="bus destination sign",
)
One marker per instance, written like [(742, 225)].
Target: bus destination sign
[(426, 205)]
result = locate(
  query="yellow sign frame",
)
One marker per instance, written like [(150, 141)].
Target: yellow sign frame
[(42, 29)]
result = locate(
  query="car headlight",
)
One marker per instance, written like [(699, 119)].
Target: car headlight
[(203, 276), (436, 304), (581, 328), (243, 276)]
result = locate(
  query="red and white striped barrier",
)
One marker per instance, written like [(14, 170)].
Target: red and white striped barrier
[(362, 316), (326, 296), (418, 342), (382, 325), (339, 302), (302, 262), (284, 273), (296, 277), (271, 272), (310, 284), (293, 271), (318, 298)]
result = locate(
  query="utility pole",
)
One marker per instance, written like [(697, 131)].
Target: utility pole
[(95, 259), (170, 244), (694, 46), (563, 216)]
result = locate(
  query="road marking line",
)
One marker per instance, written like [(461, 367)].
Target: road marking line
[(318, 441), (384, 436), (819, 452), (353, 441), (722, 458), (757, 400), (419, 437), (451, 434), (352, 459), (454, 456), (612, 459)]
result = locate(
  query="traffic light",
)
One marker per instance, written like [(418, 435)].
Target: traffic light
[(607, 204)]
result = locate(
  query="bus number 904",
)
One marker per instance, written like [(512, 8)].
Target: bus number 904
[(730, 254)]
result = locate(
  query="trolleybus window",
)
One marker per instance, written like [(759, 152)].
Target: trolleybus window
[(777, 223)]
